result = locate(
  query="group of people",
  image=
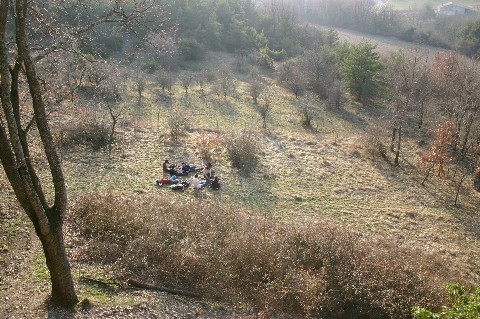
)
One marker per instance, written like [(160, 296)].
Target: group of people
[(203, 176)]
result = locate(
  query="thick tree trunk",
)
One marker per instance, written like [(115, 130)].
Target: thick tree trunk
[(63, 291), (14, 156)]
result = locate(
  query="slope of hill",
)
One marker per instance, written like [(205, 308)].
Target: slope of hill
[(305, 174)]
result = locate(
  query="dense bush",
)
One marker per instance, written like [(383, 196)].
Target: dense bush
[(103, 46), (191, 49), (319, 270), (150, 66), (242, 150)]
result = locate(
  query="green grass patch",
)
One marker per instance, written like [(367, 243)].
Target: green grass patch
[(40, 270)]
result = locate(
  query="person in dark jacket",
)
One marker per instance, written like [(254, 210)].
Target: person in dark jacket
[(216, 183)]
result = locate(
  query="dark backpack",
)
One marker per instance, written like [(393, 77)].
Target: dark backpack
[(177, 187)]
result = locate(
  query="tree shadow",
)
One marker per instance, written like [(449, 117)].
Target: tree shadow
[(348, 116), (225, 108)]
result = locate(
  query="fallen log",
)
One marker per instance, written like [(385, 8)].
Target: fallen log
[(101, 282), (138, 284)]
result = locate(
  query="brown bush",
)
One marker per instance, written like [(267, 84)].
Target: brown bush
[(85, 130), (208, 146), (321, 270), (242, 148)]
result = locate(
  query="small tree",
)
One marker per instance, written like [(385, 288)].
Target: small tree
[(305, 109), (140, 84), (165, 79), (361, 69), (177, 124), (255, 88), (187, 78), (226, 83), (440, 153), (265, 108), (293, 77)]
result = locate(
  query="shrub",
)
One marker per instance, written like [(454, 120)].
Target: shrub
[(374, 145), (191, 49), (319, 270), (85, 130), (208, 146), (264, 59), (465, 303), (149, 66), (242, 150), (305, 109), (177, 124)]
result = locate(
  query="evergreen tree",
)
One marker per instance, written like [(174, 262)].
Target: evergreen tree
[(361, 68)]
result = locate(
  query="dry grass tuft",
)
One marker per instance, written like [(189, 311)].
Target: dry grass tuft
[(223, 253)]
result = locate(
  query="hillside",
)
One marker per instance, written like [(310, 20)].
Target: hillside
[(415, 4), (305, 175)]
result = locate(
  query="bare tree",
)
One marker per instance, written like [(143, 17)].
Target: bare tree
[(15, 153), (225, 81), (108, 95), (187, 79), (457, 88), (293, 77), (140, 84), (319, 69), (256, 86), (405, 72), (305, 108), (29, 32), (265, 107), (165, 79)]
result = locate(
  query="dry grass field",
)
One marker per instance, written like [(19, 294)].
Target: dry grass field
[(416, 4), (305, 175)]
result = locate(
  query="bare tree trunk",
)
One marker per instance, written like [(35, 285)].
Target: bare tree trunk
[(420, 120), (458, 187), (428, 174), (394, 136), (399, 143)]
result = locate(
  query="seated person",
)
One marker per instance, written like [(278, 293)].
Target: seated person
[(197, 182), (165, 166), (216, 183), (169, 168), (184, 169), (207, 171)]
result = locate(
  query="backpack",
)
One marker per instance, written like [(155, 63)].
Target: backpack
[(177, 187)]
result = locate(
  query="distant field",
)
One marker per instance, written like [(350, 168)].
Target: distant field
[(405, 4)]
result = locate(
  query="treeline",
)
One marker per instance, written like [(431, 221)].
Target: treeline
[(234, 25), (420, 25)]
